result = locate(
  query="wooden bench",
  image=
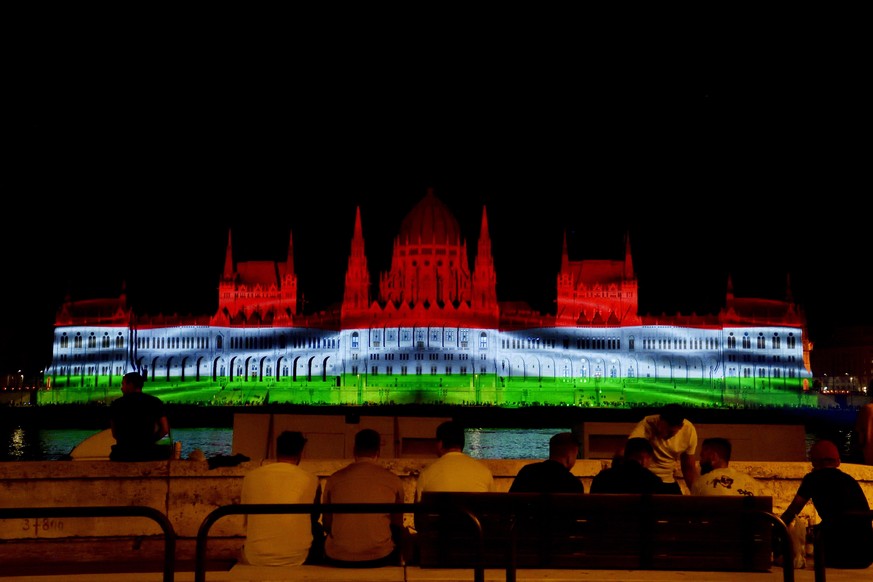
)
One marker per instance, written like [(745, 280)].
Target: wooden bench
[(596, 531)]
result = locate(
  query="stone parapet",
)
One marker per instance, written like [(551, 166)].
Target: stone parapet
[(187, 491)]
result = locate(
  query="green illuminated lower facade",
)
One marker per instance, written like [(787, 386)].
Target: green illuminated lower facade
[(560, 366)]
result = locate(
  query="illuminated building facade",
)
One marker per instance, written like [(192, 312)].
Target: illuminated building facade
[(435, 332)]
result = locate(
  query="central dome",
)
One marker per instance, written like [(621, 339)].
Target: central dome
[(430, 222)]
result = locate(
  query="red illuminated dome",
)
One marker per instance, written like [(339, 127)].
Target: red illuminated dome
[(429, 222)]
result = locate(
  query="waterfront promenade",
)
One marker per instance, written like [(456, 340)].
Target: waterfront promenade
[(416, 574)]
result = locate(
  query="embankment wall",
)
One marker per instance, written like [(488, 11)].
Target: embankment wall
[(187, 491)]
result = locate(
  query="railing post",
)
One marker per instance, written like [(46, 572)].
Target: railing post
[(108, 511)]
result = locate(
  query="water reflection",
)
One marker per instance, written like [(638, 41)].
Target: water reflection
[(22, 443), (17, 442)]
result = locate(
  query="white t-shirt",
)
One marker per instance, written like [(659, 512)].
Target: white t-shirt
[(726, 481), (455, 471), (667, 452), (278, 539)]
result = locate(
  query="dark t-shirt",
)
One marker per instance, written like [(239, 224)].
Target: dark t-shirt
[(627, 477), (135, 416), (848, 542), (546, 477)]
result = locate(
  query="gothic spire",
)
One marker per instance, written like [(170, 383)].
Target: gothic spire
[(228, 259)]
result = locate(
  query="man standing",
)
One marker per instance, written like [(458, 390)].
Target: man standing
[(716, 476), (363, 540), (553, 474), (673, 439), (138, 421), (454, 470), (282, 539)]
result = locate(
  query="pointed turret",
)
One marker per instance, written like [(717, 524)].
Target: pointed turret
[(289, 284), (356, 297), (628, 261), (484, 277), (228, 259)]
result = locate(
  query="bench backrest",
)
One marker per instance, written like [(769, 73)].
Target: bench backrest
[(566, 530)]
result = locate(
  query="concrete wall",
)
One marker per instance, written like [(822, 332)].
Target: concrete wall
[(187, 491)]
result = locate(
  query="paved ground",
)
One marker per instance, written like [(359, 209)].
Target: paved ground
[(413, 574)]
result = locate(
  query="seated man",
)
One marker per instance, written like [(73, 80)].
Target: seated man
[(454, 470), (138, 421), (630, 473), (363, 540), (282, 539), (553, 474), (717, 477)]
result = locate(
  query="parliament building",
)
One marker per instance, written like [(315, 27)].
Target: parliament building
[(432, 330)]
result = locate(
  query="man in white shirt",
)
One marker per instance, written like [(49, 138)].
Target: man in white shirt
[(282, 539), (716, 476), (673, 439), (454, 470)]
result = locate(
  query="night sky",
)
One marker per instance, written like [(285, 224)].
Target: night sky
[(133, 175)]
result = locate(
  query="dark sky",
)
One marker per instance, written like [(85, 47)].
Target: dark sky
[(715, 163)]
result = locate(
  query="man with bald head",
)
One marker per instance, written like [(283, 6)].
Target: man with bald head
[(848, 542)]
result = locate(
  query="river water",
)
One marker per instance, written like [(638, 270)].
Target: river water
[(22, 444), (50, 434)]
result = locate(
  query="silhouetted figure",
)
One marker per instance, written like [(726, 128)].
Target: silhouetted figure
[(848, 541), (630, 472), (138, 421)]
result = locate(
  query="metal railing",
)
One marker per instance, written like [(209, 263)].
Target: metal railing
[(819, 556), (288, 508), (478, 569), (107, 511)]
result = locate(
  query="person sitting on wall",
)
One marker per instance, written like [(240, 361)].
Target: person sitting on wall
[(138, 421)]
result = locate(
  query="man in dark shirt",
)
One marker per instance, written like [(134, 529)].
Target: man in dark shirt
[(848, 542), (138, 421), (552, 475), (630, 473)]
